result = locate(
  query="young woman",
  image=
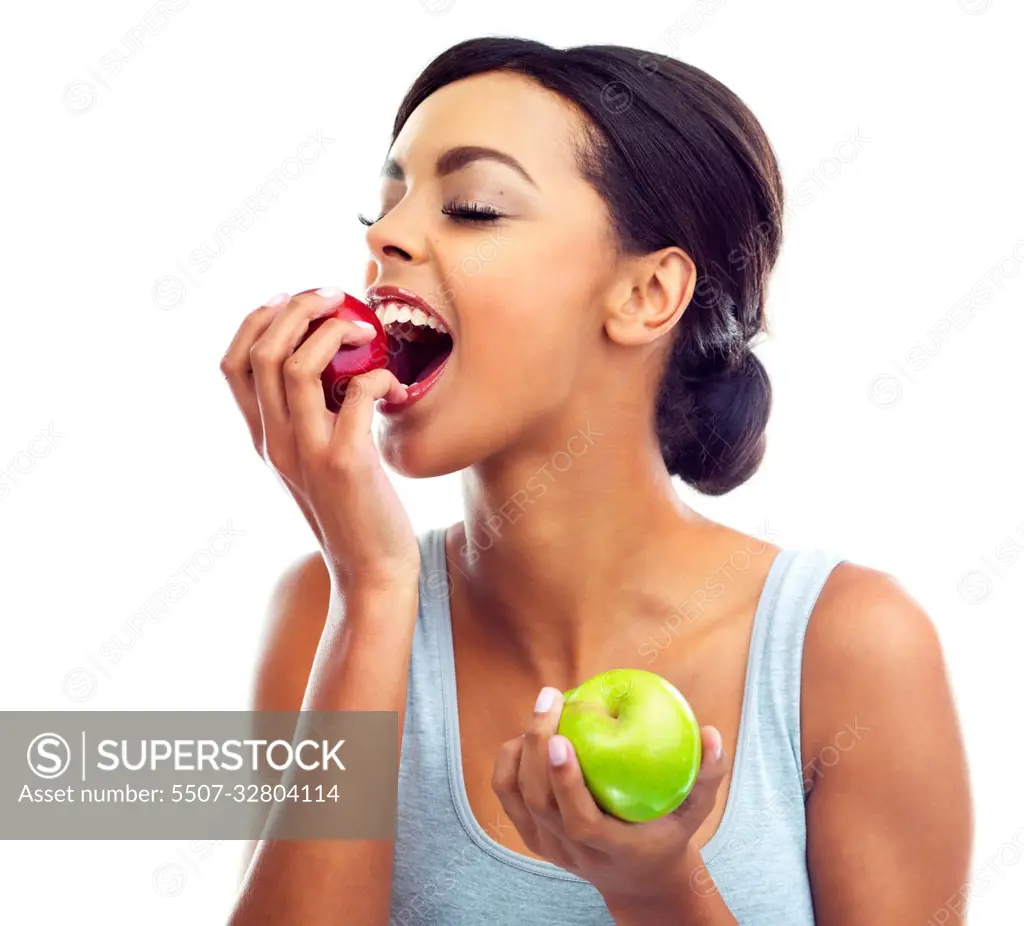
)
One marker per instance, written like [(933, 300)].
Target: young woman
[(594, 228)]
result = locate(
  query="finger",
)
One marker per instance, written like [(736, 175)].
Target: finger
[(302, 372), (505, 784), (356, 411), (305, 306), (237, 368), (275, 345), (534, 778), (713, 767), (581, 818)]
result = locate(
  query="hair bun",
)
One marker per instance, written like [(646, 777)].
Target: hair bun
[(719, 442)]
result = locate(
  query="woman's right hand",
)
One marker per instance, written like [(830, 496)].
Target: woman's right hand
[(327, 461)]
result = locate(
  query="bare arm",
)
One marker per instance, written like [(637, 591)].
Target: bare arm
[(889, 817), (360, 661), (332, 468), (296, 615)]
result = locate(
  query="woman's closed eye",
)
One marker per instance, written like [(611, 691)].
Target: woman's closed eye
[(470, 212), (457, 211)]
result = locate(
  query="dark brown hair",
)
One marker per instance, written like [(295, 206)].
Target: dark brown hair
[(679, 160)]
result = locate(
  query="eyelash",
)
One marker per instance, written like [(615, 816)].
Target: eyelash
[(459, 212)]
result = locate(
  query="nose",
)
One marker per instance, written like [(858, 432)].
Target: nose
[(394, 238)]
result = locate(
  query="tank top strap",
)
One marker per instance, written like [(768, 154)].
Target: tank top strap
[(435, 586), (776, 659)]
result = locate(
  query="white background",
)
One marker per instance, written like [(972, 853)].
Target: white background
[(895, 433)]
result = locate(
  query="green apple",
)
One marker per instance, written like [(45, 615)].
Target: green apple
[(637, 741)]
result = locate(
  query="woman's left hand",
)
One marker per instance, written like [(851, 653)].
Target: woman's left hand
[(557, 818)]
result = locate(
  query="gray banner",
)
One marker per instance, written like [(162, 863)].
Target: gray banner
[(198, 774)]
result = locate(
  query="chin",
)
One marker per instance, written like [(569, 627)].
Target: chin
[(422, 453), (416, 457)]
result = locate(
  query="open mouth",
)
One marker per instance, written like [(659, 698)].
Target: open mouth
[(418, 343)]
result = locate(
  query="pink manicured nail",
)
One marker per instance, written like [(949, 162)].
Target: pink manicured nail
[(359, 323), (278, 299), (544, 700), (557, 752)]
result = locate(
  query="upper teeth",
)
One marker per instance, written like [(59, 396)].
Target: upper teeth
[(389, 312)]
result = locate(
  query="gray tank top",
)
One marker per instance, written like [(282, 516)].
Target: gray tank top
[(451, 869)]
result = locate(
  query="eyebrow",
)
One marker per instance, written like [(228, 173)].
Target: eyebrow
[(456, 158)]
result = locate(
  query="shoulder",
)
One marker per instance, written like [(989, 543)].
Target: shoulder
[(294, 621), (873, 662), (304, 582), (864, 619), (869, 612), (883, 756)]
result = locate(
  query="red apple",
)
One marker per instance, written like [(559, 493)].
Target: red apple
[(351, 359)]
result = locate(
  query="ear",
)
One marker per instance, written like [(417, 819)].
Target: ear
[(652, 295)]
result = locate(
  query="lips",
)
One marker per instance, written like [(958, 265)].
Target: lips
[(378, 294), (419, 340)]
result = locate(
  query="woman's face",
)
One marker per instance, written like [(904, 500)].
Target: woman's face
[(521, 294)]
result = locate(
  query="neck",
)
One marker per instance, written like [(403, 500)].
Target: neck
[(560, 549)]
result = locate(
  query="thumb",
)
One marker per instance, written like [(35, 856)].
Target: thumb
[(713, 766), (361, 392)]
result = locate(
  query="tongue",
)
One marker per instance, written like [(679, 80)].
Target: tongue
[(410, 361), (433, 365)]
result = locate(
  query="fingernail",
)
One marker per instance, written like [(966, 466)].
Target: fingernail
[(557, 751), (278, 299), (719, 747), (330, 292), (359, 323), (544, 700)]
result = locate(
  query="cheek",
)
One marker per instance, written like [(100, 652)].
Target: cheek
[(523, 311), (507, 312), (512, 337)]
